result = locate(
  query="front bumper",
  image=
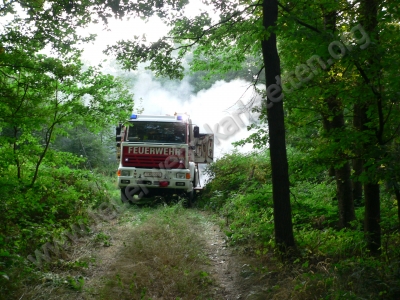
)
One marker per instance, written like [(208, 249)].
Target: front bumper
[(179, 179)]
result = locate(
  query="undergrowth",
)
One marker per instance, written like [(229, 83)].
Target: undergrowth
[(144, 253), (329, 263), (32, 216)]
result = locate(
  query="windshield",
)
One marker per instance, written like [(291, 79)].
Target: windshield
[(157, 132)]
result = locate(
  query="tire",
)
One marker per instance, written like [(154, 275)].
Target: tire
[(191, 198), (124, 199), (131, 195)]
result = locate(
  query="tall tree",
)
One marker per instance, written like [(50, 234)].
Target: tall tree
[(276, 128), (368, 18), (335, 123)]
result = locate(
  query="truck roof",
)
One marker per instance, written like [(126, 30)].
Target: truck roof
[(158, 118)]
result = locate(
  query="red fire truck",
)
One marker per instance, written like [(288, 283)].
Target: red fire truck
[(160, 156)]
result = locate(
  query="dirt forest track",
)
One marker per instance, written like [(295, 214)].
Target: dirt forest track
[(160, 253)]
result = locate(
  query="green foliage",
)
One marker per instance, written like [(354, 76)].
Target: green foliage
[(314, 202), (103, 239), (204, 79), (357, 277), (249, 216), (44, 96), (33, 216), (97, 148), (76, 283), (329, 263), (45, 188), (235, 171)]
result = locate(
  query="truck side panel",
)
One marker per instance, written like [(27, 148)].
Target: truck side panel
[(204, 149)]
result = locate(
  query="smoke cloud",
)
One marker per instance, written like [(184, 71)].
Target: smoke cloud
[(207, 107)]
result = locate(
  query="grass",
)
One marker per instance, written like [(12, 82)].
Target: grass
[(144, 253), (162, 259)]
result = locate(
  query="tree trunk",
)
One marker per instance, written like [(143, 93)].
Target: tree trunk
[(357, 185), (371, 188), (15, 148), (342, 174), (372, 227), (280, 177), (368, 16), (327, 126), (335, 125), (345, 196), (358, 123), (331, 173), (397, 193)]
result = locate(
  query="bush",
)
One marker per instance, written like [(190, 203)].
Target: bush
[(234, 172), (34, 215), (249, 216)]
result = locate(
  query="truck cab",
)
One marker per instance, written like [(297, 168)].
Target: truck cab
[(159, 156)]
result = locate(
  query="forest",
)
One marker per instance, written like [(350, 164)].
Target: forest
[(320, 191)]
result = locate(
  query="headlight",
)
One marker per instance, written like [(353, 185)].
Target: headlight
[(125, 173), (180, 175)]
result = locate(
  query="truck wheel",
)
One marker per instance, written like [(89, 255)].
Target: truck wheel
[(130, 195), (124, 198), (191, 198), (192, 195)]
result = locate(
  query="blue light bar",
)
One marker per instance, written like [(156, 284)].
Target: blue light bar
[(133, 116), (179, 118)]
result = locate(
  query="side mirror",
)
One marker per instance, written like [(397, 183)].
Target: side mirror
[(196, 131), (118, 130)]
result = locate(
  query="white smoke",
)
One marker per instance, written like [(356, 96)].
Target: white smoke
[(209, 106)]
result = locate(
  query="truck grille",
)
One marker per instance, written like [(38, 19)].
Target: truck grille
[(148, 161), (152, 156)]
